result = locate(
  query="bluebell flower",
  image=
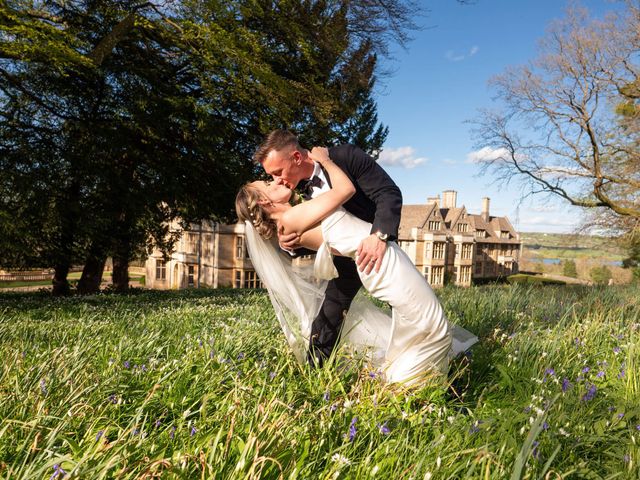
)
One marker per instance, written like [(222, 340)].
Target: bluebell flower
[(474, 428), (172, 432), (127, 364), (57, 470), (352, 429), (241, 356), (326, 396), (620, 415), (621, 374), (99, 435), (585, 370), (600, 374), (545, 426), (43, 387), (638, 427), (590, 393), (113, 399), (272, 375), (550, 371), (384, 430), (534, 451), (157, 423), (616, 349), (193, 431)]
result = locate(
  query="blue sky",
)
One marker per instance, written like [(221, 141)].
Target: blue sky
[(440, 81)]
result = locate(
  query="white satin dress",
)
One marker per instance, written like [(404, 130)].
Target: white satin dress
[(417, 341)]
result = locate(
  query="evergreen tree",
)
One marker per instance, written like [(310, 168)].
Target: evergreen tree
[(600, 275)]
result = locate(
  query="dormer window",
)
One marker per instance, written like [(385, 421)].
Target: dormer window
[(434, 225), (463, 227), (504, 234), (481, 233)]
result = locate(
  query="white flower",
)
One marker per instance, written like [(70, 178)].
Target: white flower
[(451, 419), (341, 459), (438, 462), (427, 476), (374, 470)]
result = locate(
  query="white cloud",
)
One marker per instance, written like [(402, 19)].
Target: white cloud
[(487, 154), (458, 57), (449, 161), (547, 223), (400, 157)]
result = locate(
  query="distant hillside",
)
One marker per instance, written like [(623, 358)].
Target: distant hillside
[(562, 245)]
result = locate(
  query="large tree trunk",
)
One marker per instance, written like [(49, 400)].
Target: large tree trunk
[(60, 283), (91, 275), (121, 272)]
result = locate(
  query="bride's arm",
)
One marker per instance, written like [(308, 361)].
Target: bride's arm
[(304, 216)]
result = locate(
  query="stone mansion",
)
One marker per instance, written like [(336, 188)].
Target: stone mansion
[(445, 242)]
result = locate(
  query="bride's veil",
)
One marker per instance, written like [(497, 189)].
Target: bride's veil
[(297, 295)]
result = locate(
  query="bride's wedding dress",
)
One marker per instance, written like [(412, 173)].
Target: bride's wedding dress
[(415, 340)]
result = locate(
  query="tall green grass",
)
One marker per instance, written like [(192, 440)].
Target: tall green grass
[(200, 384)]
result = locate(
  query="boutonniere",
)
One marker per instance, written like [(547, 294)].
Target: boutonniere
[(296, 198)]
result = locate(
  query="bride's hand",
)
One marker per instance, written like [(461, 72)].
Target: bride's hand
[(320, 155)]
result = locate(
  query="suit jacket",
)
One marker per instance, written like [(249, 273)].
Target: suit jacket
[(377, 199)]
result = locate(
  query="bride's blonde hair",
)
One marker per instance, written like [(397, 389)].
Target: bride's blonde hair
[(248, 209)]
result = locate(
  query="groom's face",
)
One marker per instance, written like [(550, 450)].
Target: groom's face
[(284, 166)]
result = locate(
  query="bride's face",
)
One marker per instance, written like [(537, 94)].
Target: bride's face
[(274, 191)]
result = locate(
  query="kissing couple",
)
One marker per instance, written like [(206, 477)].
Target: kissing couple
[(347, 210)]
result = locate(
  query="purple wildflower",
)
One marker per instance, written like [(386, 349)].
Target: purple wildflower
[(620, 415), (143, 367), (113, 399), (590, 393), (172, 432), (43, 387), (545, 426), (99, 435), (194, 430), (136, 431), (127, 364), (600, 374), (638, 427), (626, 458), (550, 371), (352, 429), (372, 375), (57, 470), (272, 375), (616, 349), (526, 409), (334, 407), (585, 370), (474, 428), (534, 451), (157, 423), (621, 374), (611, 408), (326, 396), (241, 356), (384, 430)]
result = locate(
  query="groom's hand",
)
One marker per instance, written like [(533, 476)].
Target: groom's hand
[(370, 253), (289, 241)]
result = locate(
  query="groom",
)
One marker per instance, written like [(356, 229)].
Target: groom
[(377, 200)]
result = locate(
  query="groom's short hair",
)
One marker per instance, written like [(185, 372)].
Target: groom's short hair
[(276, 140)]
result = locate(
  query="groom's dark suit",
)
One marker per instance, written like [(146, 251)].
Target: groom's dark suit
[(377, 200)]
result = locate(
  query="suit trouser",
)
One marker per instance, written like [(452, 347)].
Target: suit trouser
[(339, 294)]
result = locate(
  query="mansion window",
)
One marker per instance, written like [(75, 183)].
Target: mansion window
[(465, 274), (434, 225), (481, 233), (251, 280), (463, 227), (438, 250), (161, 270), (437, 275), (239, 247), (192, 243), (478, 268), (504, 234), (207, 245), (425, 272), (191, 273), (237, 283), (467, 249)]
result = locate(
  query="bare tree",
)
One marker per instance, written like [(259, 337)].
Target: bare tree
[(561, 131)]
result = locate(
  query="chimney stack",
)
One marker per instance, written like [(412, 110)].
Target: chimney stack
[(485, 209), (449, 198), (435, 200)]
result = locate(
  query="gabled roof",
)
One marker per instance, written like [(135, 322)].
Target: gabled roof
[(414, 216)]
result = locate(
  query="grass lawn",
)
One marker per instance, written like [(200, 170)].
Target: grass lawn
[(73, 280), (201, 384)]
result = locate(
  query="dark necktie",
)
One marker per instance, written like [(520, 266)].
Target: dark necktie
[(306, 186)]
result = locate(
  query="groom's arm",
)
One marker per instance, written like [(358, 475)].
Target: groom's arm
[(376, 184)]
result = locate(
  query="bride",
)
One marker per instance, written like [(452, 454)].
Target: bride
[(414, 343)]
